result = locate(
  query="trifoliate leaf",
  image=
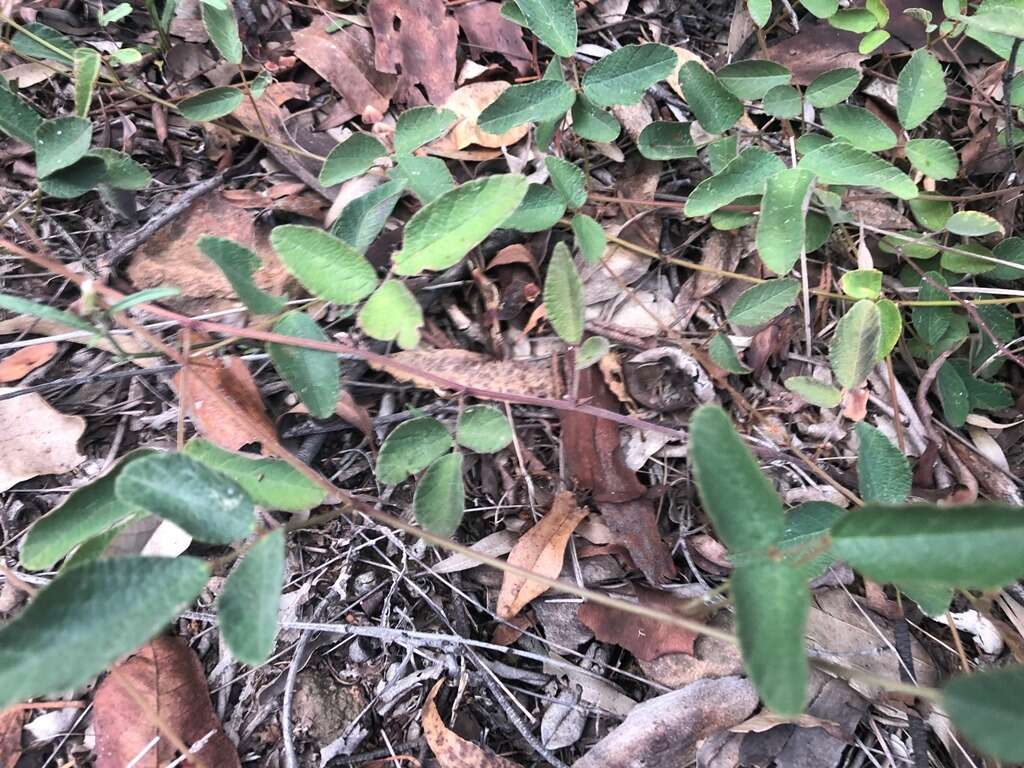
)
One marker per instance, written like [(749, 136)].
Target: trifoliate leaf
[(724, 355), (987, 708), (221, 26), (363, 219), (973, 224), (568, 179), (540, 209), (862, 283), (421, 125), (592, 123), (60, 143), (86, 72), (553, 22), (426, 177), (590, 238), (891, 322), (783, 102), (858, 126), (842, 163), (590, 351)]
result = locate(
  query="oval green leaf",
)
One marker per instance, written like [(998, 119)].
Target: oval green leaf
[(411, 447), (440, 498), (484, 429), (327, 267), (314, 374), (764, 302), (247, 608)]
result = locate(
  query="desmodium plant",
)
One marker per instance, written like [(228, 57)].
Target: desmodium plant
[(792, 186)]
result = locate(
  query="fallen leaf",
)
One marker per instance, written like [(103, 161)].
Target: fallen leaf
[(495, 545), (645, 638), (541, 550), (450, 749), (10, 736), (25, 360), (38, 439), (171, 257), (664, 731), (467, 103), (490, 32), (298, 202), (877, 213), (128, 344), (167, 676), (417, 41), (634, 524), (225, 426), (471, 369), (345, 59), (819, 48)]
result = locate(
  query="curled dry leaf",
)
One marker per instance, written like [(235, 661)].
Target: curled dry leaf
[(450, 749), (10, 736), (229, 426), (171, 257), (38, 439), (25, 360), (467, 103), (645, 638), (470, 369), (542, 551), (416, 41), (167, 681)]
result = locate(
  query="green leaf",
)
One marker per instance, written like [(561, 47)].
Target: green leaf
[(987, 708), (238, 264), (930, 214), (961, 261), (75, 180), (879, 10), (954, 395), (873, 40), (818, 229), (118, 12), (427, 177), (1003, 326), (442, 232), (808, 142), (859, 127), (772, 602), (622, 76), (43, 312), (933, 157), (90, 616), (207, 505), (739, 499), (121, 171), (590, 238), (933, 599), (124, 57), (142, 297), (725, 220), (745, 175), (60, 143), (721, 152), (853, 20), (813, 391), (544, 133), (568, 179), (553, 22), (911, 244), (862, 283), (411, 447), (781, 229), (540, 209), (527, 103), (219, 20), (510, 11), (211, 104), (592, 123), (882, 470), (484, 429), (971, 547), (805, 543), (760, 11), (663, 140), (563, 296), (854, 348), (392, 314), (440, 498), (247, 608), (39, 41), (327, 267), (84, 513), (841, 163), (832, 87), (1011, 249), (715, 108), (783, 102), (1002, 18), (17, 119), (363, 219), (590, 351), (270, 483), (821, 8), (421, 125), (751, 79), (351, 158), (313, 373), (973, 224), (86, 72), (765, 301), (983, 395), (723, 354), (920, 89), (891, 322)]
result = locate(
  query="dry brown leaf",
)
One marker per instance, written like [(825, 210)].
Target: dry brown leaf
[(128, 344), (450, 749), (634, 524), (877, 213), (664, 731), (467, 103), (417, 41), (11, 721), (645, 638), (38, 439), (171, 257), (819, 48), (233, 426), (345, 59), (542, 551), (471, 369), (25, 360), (167, 676), (488, 31)]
